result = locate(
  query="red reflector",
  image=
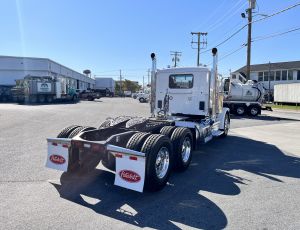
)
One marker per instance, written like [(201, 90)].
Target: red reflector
[(119, 155), (55, 144), (65, 146), (133, 158)]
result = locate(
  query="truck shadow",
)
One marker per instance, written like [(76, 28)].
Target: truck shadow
[(263, 118), (183, 201)]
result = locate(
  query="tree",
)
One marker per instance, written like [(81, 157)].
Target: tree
[(128, 85)]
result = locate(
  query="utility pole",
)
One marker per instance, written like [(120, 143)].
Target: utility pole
[(176, 55), (199, 43), (120, 82), (249, 12), (269, 75)]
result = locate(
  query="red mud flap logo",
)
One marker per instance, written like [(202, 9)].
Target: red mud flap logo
[(57, 159), (129, 176)]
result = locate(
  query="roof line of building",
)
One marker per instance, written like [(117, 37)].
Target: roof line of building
[(47, 59)]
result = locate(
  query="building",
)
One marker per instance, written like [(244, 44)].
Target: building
[(273, 73), (15, 68)]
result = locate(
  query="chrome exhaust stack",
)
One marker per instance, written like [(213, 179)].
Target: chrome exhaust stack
[(213, 85), (153, 85)]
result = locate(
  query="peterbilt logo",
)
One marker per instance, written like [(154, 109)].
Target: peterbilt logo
[(129, 176), (57, 159)]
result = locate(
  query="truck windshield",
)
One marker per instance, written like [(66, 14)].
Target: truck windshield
[(181, 81)]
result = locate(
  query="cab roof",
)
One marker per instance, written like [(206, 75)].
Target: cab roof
[(183, 70)]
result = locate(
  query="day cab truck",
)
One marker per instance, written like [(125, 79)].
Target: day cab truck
[(186, 111)]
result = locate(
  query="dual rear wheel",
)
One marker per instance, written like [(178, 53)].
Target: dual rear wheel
[(170, 149)]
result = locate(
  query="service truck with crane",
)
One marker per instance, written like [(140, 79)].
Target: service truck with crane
[(186, 111)]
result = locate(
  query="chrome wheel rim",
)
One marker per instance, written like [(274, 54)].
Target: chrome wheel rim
[(186, 149), (162, 162), (254, 111), (240, 110)]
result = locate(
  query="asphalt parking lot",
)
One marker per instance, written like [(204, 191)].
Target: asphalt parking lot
[(249, 180)]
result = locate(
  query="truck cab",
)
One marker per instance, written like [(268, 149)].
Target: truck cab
[(187, 91)]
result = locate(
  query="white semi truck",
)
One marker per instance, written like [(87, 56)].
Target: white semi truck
[(243, 97), (186, 111)]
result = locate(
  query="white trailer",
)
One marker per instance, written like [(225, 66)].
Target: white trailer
[(287, 93), (186, 111), (105, 83)]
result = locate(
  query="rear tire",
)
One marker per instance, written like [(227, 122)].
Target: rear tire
[(158, 150), (167, 130), (67, 131), (182, 139), (33, 99), (240, 110), (80, 129), (136, 141), (49, 99), (42, 99), (142, 100), (254, 110)]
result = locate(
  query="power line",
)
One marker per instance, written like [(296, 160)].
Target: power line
[(225, 19), (258, 20), (258, 39), (274, 35), (276, 13)]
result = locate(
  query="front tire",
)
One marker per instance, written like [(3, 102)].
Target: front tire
[(158, 150), (226, 125)]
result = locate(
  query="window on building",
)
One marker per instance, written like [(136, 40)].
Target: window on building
[(278, 76), (284, 75), (260, 76), (298, 75), (266, 76), (290, 75), (272, 76), (181, 81)]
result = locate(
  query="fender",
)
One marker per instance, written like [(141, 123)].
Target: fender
[(222, 117)]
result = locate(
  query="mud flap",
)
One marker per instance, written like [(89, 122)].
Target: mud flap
[(58, 153), (130, 168)]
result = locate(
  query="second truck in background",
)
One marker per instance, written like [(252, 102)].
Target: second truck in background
[(242, 96)]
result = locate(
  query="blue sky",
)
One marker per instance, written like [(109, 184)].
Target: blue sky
[(105, 36)]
